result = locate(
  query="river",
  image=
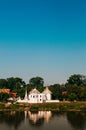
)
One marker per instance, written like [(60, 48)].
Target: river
[(42, 120)]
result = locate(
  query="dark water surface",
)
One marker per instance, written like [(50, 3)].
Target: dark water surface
[(42, 120)]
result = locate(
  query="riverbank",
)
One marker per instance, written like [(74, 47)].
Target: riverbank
[(61, 106)]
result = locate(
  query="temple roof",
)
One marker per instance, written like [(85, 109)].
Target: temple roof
[(46, 91), (35, 91)]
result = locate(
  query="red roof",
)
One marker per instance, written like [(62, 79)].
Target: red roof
[(64, 92), (5, 91)]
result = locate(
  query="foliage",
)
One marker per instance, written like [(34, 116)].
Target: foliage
[(82, 93), (20, 92), (12, 83), (76, 85), (56, 91), (15, 83), (3, 83), (36, 82), (4, 96), (77, 79), (72, 96)]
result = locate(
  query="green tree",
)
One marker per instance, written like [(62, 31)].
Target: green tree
[(3, 83), (72, 96), (36, 82), (56, 91), (4, 96), (20, 92), (11, 83), (77, 79), (15, 83), (19, 82), (82, 93), (76, 84)]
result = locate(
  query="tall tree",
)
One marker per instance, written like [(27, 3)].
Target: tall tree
[(76, 86), (4, 96), (36, 82), (77, 79), (19, 82), (3, 83), (56, 91), (15, 83)]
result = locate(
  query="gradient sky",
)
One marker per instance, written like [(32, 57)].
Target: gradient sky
[(45, 38)]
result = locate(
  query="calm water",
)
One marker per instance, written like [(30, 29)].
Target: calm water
[(43, 120)]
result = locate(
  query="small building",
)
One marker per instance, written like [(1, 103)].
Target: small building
[(12, 94), (36, 97)]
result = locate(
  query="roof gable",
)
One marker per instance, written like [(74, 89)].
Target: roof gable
[(46, 91), (34, 91)]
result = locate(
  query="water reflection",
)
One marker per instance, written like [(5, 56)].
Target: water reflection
[(44, 119), (38, 119), (77, 120), (12, 118), (46, 115)]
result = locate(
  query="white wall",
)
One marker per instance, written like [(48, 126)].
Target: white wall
[(36, 98), (48, 96)]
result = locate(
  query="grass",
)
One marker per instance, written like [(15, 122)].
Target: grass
[(61, 106)]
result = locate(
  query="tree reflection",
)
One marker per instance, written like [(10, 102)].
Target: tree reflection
[(77, 119), (12, 118)]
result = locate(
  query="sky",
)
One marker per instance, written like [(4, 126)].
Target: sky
[(45, 38)]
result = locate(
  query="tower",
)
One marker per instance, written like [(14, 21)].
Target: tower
[(26, 97)]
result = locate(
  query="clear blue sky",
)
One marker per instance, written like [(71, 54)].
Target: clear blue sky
[(45, 38)]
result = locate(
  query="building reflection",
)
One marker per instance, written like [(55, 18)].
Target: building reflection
[(35, 117)]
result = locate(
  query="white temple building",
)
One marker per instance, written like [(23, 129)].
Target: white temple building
[(35, 96)]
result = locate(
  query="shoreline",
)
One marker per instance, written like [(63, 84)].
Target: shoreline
[(61, 106)]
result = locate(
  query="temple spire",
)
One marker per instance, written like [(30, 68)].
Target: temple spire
[(26, 97)]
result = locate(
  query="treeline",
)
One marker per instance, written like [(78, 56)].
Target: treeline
[(73, 89)]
